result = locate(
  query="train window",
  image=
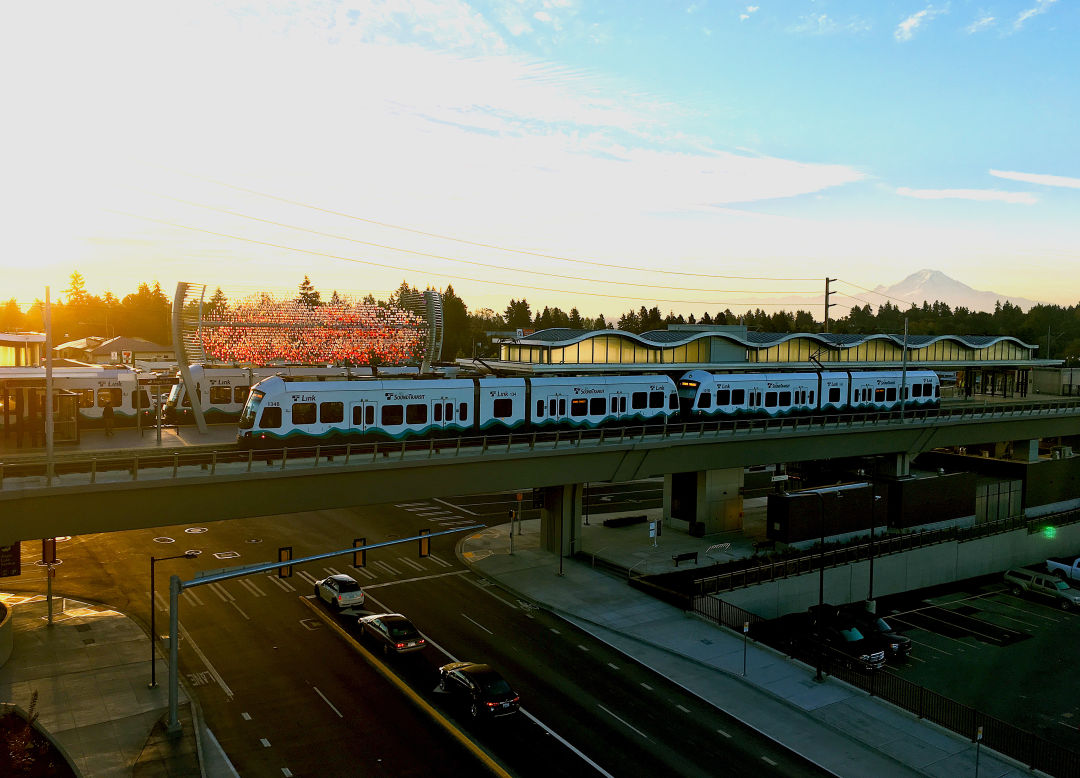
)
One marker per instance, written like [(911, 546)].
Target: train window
[(785, 399), (705, 400), (220, 395), (890, 394), (114, 397), (415, 413), (656, 399), (916, 390), (271, 418), (392, 415), (503, 409), (562, 406), (449, 411), (579, 406), (552, 407), (539, 409), (810, 398), (596, 406), (879, 394), (303, 413), (834, 394), (770, 399), (240, 393), (673, 401), (723, 397), (738, 396), (140, 399), (358, 415), (622, 405), (463, 412), (331, 413), (937, 391), (86, 398), (638, 400), (369, 414), (614, 404), (436, 411)]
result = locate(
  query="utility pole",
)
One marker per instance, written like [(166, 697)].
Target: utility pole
[(828, 305)]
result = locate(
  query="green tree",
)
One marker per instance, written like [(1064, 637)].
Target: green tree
[(308, 296), (11, 317), (456, 330), (518, 315), (76, 291)]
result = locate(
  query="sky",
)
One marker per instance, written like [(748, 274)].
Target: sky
[(693, 156)]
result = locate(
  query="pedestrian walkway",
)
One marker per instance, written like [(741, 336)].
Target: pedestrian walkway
[(91, 672), (124, 438), (839, 728)]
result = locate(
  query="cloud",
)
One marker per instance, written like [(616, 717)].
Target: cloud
[(750, 9), (823, 24), (980, 24), (1038, 178), (979, 195), (906, 29), (1040, 7)]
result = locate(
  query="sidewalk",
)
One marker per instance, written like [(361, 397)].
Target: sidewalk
[(91, 672), (837, 727), (95, 440)]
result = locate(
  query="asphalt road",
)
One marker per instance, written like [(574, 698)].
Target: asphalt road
[(286, 693)]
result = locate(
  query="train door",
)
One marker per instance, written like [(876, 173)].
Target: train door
[(362, 414), (440, 413)]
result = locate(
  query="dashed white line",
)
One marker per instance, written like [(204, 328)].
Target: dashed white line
[(265, 742), (316, 688), (555, 630), (583, 647), (624, 723), (646, 686), (481, 626), (286, 772), (684, 710), (613, 667), (245, 716), (563, 740), (770, 761), (722, 732)]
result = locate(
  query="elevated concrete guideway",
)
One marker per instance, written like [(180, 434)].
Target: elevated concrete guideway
[(32, 510)]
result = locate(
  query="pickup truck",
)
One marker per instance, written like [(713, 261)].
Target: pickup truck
[(1064, 568)]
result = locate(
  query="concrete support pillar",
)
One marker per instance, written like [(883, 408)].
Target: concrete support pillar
[(1026, 450), (709, 498), (901, 466), (560, 518)]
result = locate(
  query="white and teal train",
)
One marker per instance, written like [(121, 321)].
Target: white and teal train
[(288, 412)]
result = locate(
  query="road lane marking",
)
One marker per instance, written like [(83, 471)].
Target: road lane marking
[(265, 742), (623, 722), (613, 667), (481, 626), (455, 507), (770, 761), (646, 686), (439, 561), (286, 772), (414, 565), (192, 596), (722, 732), (583, 647), (245, 716), (414, 580), (206, 662), (416, 699), (281, 583), (238, 608), (566, 743), (306, 576), (485, 586), (224, 594), (684, 710), (366, 573), (316, 688), (251, 586)]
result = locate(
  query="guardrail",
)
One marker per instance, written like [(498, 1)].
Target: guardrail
[(92, 468), (1005, 738)]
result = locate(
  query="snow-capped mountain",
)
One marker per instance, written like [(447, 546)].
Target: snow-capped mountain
[(933, 285)]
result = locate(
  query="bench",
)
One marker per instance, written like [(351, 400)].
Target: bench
[(685, 556), (625, 521)]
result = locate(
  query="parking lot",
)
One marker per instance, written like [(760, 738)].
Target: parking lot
[(1012, 657)]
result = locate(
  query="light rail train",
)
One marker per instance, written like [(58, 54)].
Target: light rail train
[(286, 412), (94, 387)]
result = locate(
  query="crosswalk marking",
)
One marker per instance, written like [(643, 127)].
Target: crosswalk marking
[(306, 576), (281, 583), (439, 561), (386, 567), (190, 597), (365, 572), (221, 592), (411, 563), (251, 587)]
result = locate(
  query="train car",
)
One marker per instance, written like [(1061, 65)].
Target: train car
[(222, 390), (95, 386), (720, 395), (594, 401), (282, 411)]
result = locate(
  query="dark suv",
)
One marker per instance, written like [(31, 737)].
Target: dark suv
[(897, 646), (482, 689)]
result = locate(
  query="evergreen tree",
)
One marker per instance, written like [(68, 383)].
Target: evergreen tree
[(308, 296)]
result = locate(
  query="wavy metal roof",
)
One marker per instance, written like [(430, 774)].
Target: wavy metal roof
[(561, 336)]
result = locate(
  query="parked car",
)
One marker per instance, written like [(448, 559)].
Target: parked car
[(822, 629), (1043, 585), (482, 689), (897, 646), (393, 632), (340, 591)]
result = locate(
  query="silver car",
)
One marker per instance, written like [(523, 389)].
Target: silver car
[(1043, 585), (340, 591)]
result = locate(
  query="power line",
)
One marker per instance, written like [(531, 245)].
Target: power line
[(457, 259), (415, 270), (478, 243), (872, 291)]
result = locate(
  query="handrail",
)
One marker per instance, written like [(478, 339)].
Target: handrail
[(151, 459)]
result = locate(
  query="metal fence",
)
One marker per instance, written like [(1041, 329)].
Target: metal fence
[(1005, 738), (810, 561)]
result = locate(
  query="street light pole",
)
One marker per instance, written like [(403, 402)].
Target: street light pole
[(153, 626), (821, 579)]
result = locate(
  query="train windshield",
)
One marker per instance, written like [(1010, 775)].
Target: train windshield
[(174, 395), (251, 409)]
